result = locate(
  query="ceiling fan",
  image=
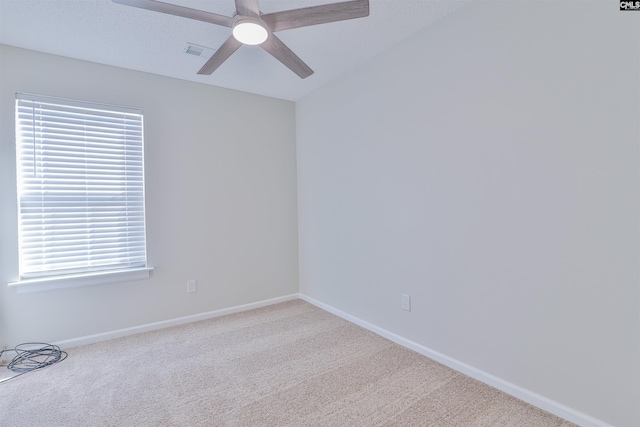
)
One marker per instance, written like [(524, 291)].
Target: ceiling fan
[(251, 27)]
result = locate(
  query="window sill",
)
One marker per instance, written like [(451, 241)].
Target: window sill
[(77, 280)]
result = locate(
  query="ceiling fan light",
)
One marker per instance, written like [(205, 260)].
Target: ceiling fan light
[(250, 31)]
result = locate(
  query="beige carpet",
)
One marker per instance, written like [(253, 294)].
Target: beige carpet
[(289, 364)]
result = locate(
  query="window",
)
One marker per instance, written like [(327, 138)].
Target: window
[(80, 188)]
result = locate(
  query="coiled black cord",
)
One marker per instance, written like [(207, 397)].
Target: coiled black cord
[(31, 356)]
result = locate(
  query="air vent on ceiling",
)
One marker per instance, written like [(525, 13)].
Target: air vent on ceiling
[(196, 50)]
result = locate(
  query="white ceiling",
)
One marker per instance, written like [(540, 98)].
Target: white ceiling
[(113, 34)]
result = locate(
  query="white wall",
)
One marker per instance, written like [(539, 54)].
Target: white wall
[(221, 200), (488, 166)]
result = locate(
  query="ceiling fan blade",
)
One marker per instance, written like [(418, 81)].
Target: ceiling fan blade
[(248, 8), (315, 15), (221, 55), (176, 10), (282, 53)]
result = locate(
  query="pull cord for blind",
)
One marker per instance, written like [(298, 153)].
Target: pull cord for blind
[(33, 128), (32, 356)]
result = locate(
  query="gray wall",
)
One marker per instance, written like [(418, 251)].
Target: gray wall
[(488, 166), (221, 200)]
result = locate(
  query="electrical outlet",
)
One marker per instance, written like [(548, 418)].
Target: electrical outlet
[(191, 286), (406, 302)]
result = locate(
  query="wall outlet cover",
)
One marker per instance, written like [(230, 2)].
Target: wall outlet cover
[(191, 286), (406, 302)]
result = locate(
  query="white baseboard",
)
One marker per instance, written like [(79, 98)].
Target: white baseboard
[(528, 396), (90, 339)]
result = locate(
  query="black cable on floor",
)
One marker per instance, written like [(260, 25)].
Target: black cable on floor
[(31, 356)]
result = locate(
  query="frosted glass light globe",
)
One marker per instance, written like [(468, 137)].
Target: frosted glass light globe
[(249, 31)]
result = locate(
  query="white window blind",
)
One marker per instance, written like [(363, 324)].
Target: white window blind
[(80, 187)]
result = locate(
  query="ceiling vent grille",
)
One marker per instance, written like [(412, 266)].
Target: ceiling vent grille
[(196, 50)]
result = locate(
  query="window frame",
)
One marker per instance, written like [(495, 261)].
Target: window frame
[(59, 278)]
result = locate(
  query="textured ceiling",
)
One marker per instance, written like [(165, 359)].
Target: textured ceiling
[(109, 33)]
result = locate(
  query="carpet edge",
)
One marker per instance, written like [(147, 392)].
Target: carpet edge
[(133, 330), (511, 389)]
